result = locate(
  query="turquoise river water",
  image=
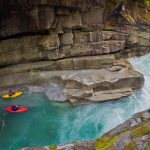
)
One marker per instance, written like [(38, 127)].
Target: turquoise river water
[(49, 122)]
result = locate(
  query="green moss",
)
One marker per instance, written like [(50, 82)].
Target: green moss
[(131, 146), (140, 131), (105, 143), (52, 146), (148, 147)]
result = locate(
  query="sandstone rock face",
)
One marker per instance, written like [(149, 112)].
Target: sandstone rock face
[(72, 46), (29, 16), (17, 21), (101, 85), (31, 48), (77, 86), (40, 37), (46, 47), (79, 63), (50, 30)]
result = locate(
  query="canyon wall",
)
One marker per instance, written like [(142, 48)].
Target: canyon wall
[(78, 45), (46, 30), (44, 35)]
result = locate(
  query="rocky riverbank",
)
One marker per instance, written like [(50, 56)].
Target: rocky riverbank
[(74, 47), (132, 134)]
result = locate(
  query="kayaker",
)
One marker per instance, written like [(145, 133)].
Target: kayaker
[(15, 108), (11, 92)]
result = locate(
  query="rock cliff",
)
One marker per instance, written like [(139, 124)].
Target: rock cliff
[(77, 46), (46, 35)]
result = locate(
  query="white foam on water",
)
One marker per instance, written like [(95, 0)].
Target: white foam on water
[(87, 122), (141, 98), (35, 89), (54, 91), (108, 115)]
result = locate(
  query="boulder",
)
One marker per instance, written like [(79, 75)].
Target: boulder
[(102, 85)]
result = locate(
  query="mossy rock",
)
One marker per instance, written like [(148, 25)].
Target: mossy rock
[(106, 142), (131, 146), (53, 147), (148, 147), (141, 130)]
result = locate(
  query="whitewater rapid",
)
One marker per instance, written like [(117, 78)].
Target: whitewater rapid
[(49, 122), (94, 120)]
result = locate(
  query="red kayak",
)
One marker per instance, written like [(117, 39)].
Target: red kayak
[(22, 109)]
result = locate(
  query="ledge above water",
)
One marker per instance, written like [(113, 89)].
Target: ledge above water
[(79, 86)]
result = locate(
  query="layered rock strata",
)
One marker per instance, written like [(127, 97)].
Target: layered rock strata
[(41, 36), (51, 43), (77, 86), (33, 31)]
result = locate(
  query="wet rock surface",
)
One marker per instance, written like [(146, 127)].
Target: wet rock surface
[(38, 36), (50, 44), (71, 146), (132, 134), (80, 86)]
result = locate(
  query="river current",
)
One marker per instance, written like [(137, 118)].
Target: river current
[(48, 122)]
